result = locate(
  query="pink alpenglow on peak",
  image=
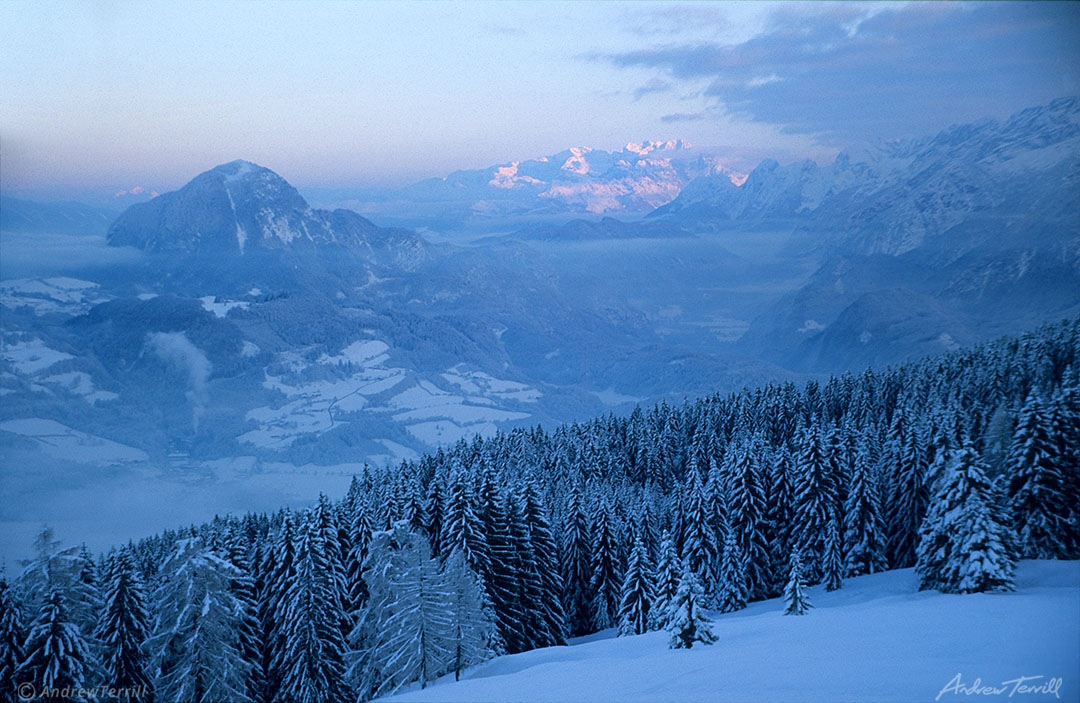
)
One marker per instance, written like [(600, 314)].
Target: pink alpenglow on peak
[(647, 147)]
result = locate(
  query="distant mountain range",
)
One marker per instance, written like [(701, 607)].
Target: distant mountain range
[(249, 322), (579, 180)]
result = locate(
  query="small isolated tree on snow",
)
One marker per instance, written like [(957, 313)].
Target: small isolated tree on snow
[(686, 620), (795, 592)]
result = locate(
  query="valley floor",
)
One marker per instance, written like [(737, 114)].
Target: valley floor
[(876, 639)]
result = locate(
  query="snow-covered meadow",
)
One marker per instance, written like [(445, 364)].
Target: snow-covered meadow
[(878, 638)]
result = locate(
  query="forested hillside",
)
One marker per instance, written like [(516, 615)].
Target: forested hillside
[(958, 465)]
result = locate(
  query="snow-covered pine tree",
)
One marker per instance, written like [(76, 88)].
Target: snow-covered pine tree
[(796, 600), (234, 548), (195, 646), (781, 513), (637, 592), (863, 534), (546, 556), (404, 633), (123, 630), (530, 628), (606, 570), (1037, 487), (964, 542), (686, 621), (814, 495), (359, 538), (909, 497), (312, 659), (832, 571), (731, 595), (577, 566), (12, 640), (747, 519), (276, 572), (56, 655), (472, 633), (462, 528), (666, 578), (699, 537)]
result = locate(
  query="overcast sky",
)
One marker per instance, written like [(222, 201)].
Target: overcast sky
[(112, 95)]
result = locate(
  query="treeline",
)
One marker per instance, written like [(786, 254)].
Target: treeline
[(957, 465)]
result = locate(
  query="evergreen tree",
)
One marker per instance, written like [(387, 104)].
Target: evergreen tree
[(964, 543), (863, 530), (910, 496), (606, 572), (276, 573), (56, 653), (195, 647), (124, 629), (1036, 485), (731, 595), (686, 620), (666, 579), (551, 617), (312, 658), (637, 593), (796, 600), (699, 538), (814, 496), (833, 565), (12, 639), (748, 514), (577, 566)]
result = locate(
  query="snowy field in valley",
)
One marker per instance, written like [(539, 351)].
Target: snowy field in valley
[(876, 639)]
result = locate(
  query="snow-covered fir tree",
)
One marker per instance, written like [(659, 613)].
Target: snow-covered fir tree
[(832, 569), (56, 655), (637, 592), (964, 544), (1035, 469), (606, 570), (577, 566), (863, 535), (796, 600), (686, 620), (312, 661), (124, 629), (665, 580), (732, 592), (12, 640), (196, 650)]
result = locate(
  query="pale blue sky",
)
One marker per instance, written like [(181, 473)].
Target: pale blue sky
[(116, 94)]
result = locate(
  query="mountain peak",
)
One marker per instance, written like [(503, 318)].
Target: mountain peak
[(232, 208)]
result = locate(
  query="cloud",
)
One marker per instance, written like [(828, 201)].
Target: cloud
[(849, 72), (684, 117), (654, 85), (175, 349)]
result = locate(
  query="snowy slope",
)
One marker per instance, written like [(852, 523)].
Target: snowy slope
[(876, 639)]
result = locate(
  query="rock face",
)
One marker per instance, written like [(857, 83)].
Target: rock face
[(240, 206), (892, 197)]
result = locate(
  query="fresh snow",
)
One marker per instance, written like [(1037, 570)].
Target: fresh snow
[(62, 442), (878, 638), (31, 356)]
